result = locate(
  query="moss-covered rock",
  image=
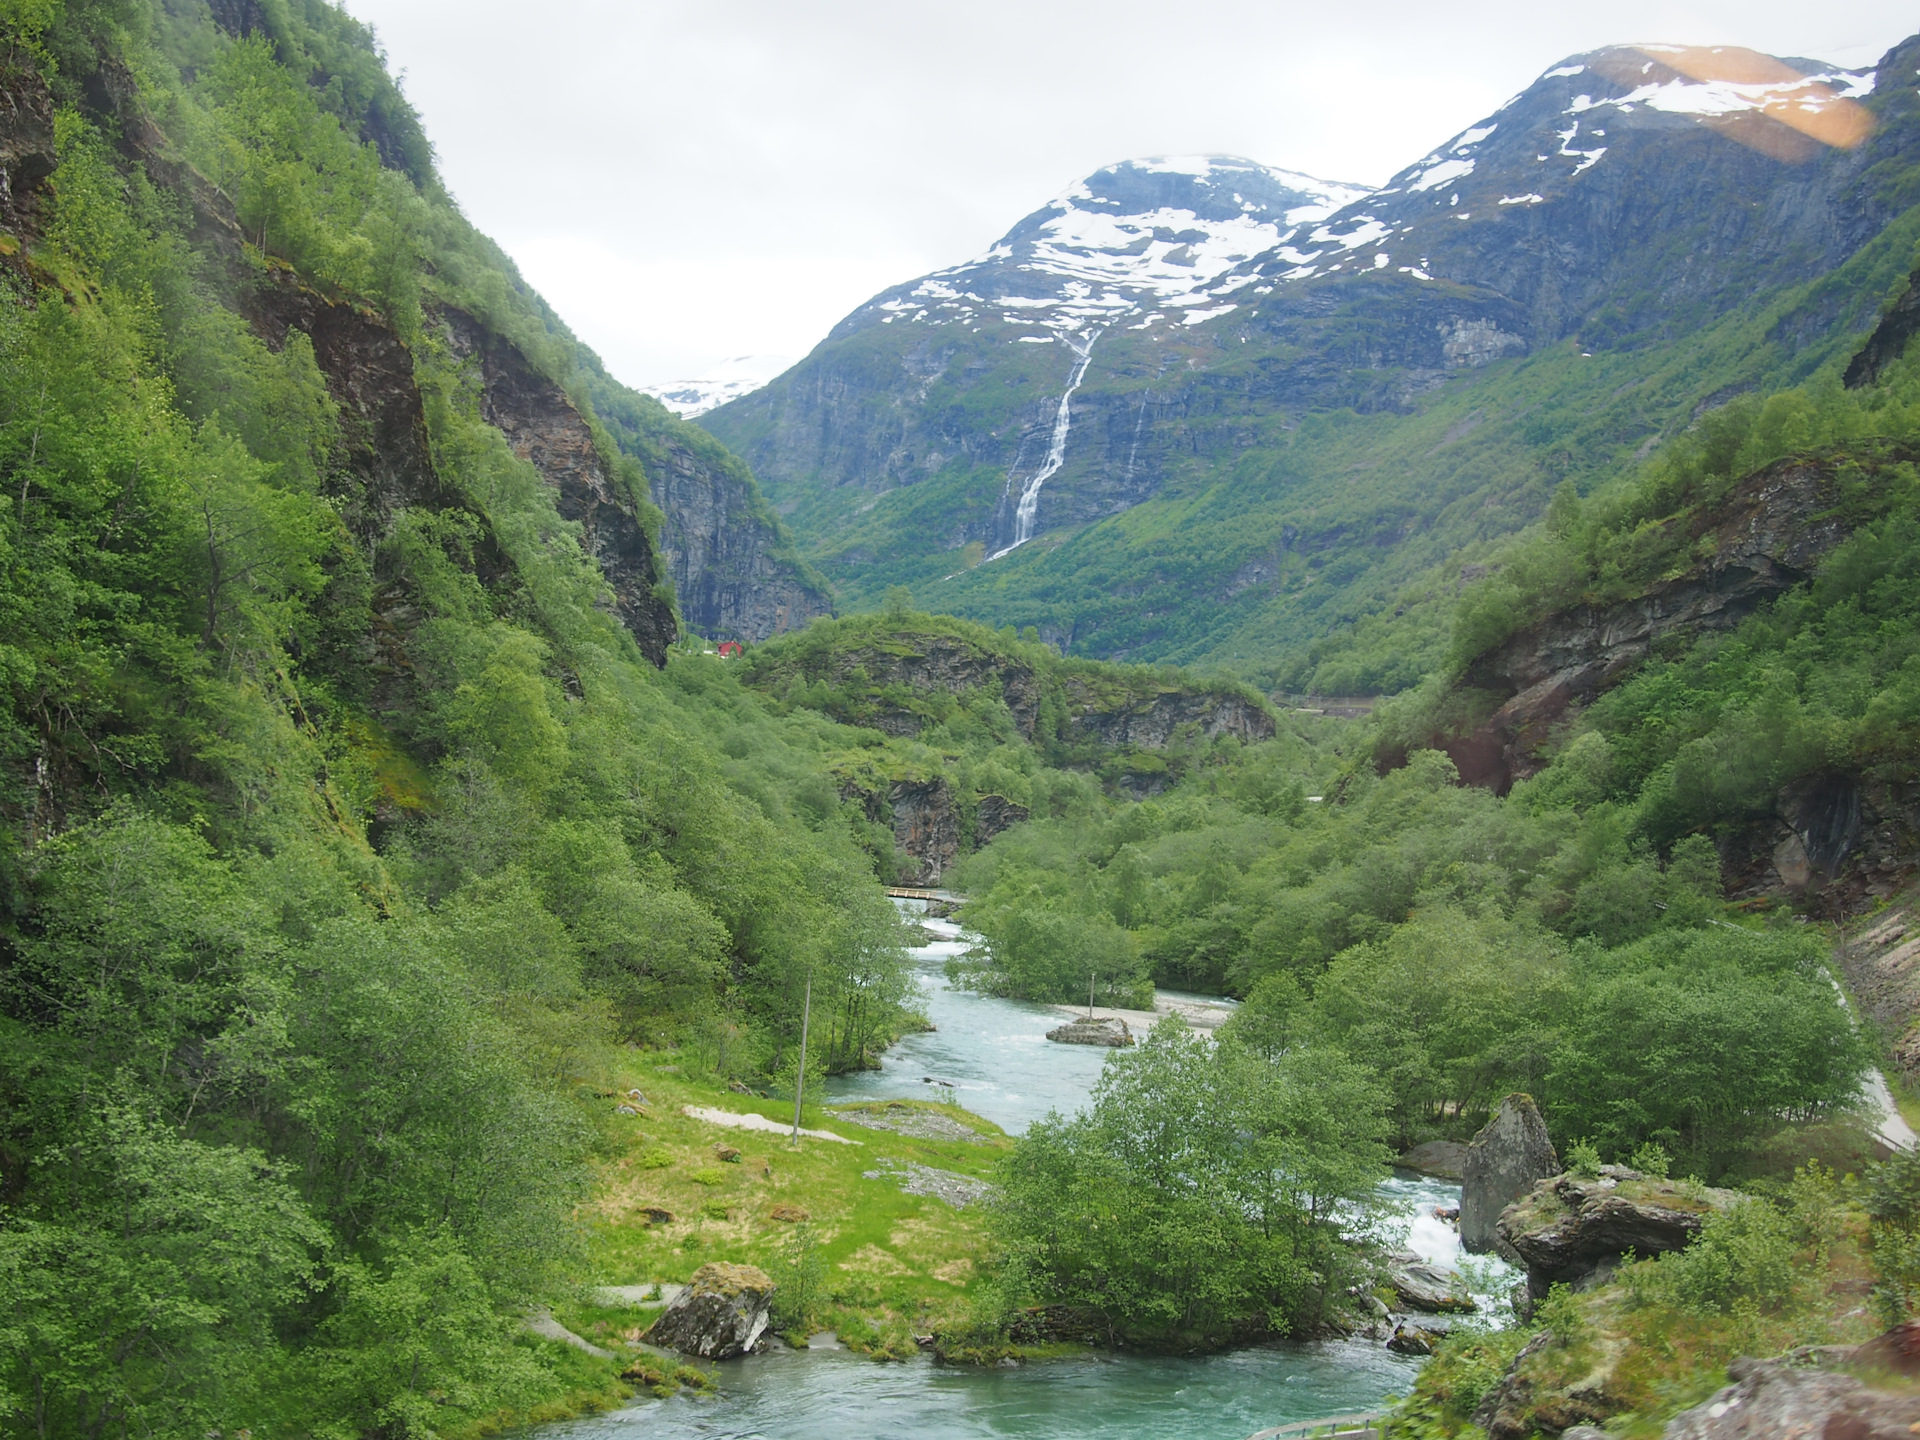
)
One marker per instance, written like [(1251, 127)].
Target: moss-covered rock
[(721, 1314)]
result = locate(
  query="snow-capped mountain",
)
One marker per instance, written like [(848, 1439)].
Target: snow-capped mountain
[(1543, 146), (1146, 241), (739, 376), (1166, 328)]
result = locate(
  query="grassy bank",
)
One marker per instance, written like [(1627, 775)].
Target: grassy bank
[(860, 1255)]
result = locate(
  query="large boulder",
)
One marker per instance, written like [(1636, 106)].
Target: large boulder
[(1507, 1158), (1107, 1030), (1425, 1287), (1768, 1400), (721, 1314), (1566, 1228)]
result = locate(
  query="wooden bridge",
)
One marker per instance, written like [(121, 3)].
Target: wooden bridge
[(908, 892)]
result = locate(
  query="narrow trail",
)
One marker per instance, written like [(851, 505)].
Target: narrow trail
[(1029, 506)]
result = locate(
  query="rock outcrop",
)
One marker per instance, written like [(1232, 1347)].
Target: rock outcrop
[(1888, 342), (1150, 721), (1880, 957), (544, 427), (720, 1315), (1766, 537), (1772, 1401), (993, 814), (27, 156), (1509, 1156), (1524, 1404), (906, 679), (1566, 1228)]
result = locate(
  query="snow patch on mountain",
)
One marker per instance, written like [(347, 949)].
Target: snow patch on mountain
[(1163, 233), (1176, 240), (729, 380)]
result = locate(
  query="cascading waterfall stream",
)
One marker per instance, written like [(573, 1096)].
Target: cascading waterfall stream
[(1029, 505)]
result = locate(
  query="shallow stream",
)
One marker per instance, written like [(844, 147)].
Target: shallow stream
[(995, 1059)]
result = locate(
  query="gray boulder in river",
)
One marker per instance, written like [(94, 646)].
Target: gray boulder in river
[(721, 1314), (1107, 1030), (1421, 1286), (1506, 1159)]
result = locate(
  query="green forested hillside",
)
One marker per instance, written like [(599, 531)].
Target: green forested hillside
[(363, 817), (347, 828)]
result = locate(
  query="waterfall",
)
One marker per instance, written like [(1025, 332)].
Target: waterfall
[(1029, 504)]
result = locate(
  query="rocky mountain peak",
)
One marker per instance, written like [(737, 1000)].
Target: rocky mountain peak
[(1144, 241), (1627, 118)]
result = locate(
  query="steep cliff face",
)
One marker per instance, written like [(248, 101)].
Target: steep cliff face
[(1888, 342), (733, 566), (1766, 537), (26, 146), (385, 471), (545, 428), (722, 550)]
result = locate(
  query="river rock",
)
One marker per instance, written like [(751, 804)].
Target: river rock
[(721, 1314), (1565, 1228), (1425, 1287), (1506, 1159), (1107, 1030), (1408, 1339), (1768, 1399), (1444, 1159)]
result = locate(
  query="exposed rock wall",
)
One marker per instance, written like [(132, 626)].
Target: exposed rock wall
[(722, 549), (1767, 537), (1888, 342), (26, 147), (924, 818), (1149, 723), (545, 428), (1113, 714), (937, 664)]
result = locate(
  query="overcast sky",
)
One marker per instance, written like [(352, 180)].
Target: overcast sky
[(700, 179)]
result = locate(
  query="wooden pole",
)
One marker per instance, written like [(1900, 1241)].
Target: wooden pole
[(800, 1072), (1090, 979)]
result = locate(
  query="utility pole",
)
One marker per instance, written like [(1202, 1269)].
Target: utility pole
[(1090, 979), (800, 1071)]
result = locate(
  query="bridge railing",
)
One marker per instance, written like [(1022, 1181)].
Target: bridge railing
[(1364, 1425)]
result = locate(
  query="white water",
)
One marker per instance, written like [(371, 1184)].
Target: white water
[(992, 1056), (1029, 505)]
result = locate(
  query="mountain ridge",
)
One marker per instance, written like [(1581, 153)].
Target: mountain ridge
[(908, 437)]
